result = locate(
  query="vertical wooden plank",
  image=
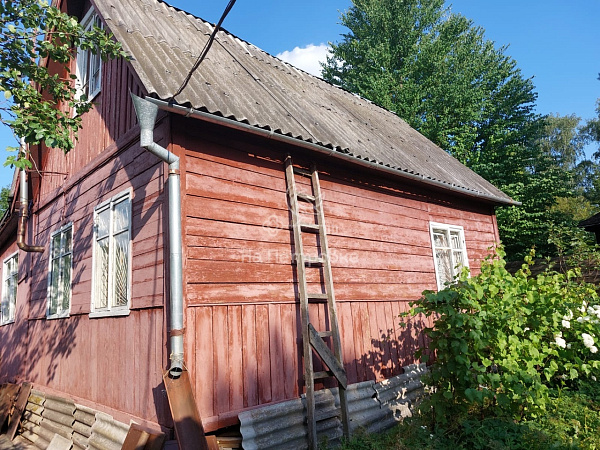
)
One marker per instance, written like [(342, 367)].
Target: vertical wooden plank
[(140, 355), (404, 334), (221, 353), (263, 355), (162, 358), (276, 346), (204, 361), (190, 342), (357, 323), (314, 313), (94, 373), (375, 343), (288, 338), (347, 338), (366, 342), (249, 358), (393, 323), (386, 320), (236, 372)]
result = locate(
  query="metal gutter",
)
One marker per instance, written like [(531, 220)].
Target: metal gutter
[(146, 114), (24, 212), (269, 134)]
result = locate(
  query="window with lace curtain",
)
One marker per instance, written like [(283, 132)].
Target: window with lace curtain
[(449, 252), (111, 289), (10, 270), (59, 277)]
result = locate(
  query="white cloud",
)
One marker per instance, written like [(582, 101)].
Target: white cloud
[(306, 58)]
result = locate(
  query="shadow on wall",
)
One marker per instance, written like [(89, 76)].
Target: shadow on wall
[(395, 349)]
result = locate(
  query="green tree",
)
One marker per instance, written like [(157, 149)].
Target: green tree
[(437, 71), (39, 103), (4, 196)]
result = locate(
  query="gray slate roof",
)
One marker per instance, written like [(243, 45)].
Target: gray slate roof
[(239, 81)]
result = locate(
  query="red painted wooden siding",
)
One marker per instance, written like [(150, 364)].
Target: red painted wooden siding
[(242, 318), (110, 118), (114, 363)]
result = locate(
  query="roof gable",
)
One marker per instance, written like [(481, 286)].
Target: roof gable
[(239, 81)]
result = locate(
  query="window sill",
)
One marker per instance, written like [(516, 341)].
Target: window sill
[(111, 313), (58, 316), (7, 323)]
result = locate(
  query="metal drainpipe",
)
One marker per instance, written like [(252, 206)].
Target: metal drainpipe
[(146, 114), (24, 210)]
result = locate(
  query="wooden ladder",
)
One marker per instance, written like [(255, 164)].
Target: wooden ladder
[(313, 340)]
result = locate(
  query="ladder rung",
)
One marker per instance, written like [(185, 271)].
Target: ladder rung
[(306, 197), (314, 261), (317, 296), (311, 227), (304, 172), (321, 375), (325, 334)]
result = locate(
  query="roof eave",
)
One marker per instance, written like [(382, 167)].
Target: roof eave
[(270, 134)]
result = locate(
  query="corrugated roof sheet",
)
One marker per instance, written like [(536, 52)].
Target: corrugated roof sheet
[(239, 81), (372, 406)]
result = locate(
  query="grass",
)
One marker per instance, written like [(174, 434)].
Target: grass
[(572, 421)]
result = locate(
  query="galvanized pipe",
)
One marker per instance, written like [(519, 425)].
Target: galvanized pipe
[(24, 210), (146, 114), (188, 111)]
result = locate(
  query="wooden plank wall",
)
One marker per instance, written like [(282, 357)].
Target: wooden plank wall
[(12, 335), (110, 118), (242, 317), (111, 362)]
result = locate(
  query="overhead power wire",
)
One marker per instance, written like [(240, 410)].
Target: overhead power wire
[(205, 50)]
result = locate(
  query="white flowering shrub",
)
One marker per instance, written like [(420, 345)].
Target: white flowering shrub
[(501, 340)]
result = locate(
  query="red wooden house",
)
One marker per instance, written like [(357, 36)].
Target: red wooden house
[(87, 317)]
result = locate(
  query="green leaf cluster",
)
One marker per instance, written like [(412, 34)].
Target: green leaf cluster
[(39, 100), (501, 340)]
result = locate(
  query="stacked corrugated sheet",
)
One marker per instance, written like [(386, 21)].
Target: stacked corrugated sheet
[(82, 428), (51, 419), (107, 433), (32, 418), (372, 406)]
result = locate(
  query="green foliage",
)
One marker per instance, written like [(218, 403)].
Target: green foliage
[(437, 71), (37, 103), (4, 196), (572, 421), (501, 340)]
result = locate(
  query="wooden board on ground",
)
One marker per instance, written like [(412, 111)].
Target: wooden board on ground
[(8, 393), (15, 418), (140, 438)]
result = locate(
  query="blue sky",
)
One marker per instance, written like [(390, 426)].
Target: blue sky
[(555, 42)]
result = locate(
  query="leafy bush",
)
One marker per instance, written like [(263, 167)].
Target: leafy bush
[(502, 340)]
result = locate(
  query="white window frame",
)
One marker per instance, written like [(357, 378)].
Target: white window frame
[(9, 304), (83, 67), (63, 253), (111, 309), (448, 230)]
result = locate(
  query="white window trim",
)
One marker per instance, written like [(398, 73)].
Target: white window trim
[(63, 314), (111, 311), (86, 23), (2, 321), (447, 227)]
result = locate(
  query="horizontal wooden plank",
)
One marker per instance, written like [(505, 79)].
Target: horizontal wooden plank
[(259, 293)]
